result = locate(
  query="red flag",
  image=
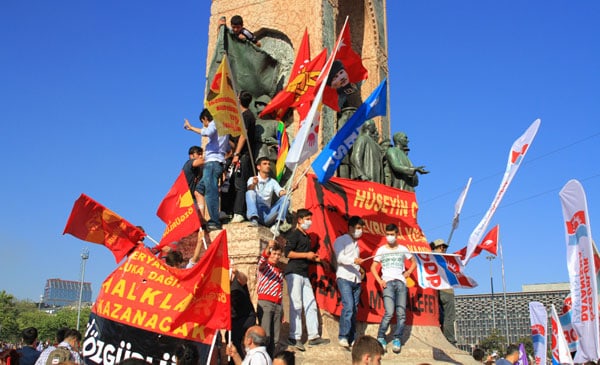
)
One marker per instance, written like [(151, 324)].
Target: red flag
[(488, 243), (352, 64), (92, 222), (208, 281), (302, 81), (178, 212)]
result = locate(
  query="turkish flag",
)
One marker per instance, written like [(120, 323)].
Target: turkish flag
[(488, 243)]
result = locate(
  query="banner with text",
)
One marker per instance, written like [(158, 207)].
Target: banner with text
[(332, 204), (539, 327), (582, 274)]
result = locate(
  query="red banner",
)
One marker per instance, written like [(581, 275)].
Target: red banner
[(332, 204), (92, 222), (178, 212)]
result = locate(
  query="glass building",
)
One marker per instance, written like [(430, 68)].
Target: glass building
[(61, 293)]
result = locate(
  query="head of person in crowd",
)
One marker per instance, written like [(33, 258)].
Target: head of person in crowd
[(9, 357), (284, 358), (237, 24), (255, 337), (245, 99), (355, 227), (187, 354), (478, 354), (512, 353), (205, 117), (366, 351), (195, 152), (73, 337), (29, 336), (439, 245), (303, 219), (174, 258), (391, 234), (275, 252)]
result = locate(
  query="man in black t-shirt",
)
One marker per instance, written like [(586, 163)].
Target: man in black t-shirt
[(299, 252)]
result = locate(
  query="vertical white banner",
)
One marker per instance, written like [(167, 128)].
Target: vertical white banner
[(515, 157), (560, 349), (582, 275), (539, 328)]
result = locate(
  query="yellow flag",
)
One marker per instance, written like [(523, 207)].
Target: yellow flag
[(222, 102)]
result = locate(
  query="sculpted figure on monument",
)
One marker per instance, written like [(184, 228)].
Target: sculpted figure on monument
[(385, 144), (366, 158), (404, 174), (265, 137)]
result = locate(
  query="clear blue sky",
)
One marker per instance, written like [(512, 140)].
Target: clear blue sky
[(94, 95)]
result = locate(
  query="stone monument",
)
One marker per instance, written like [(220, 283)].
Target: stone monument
[(279, 26)]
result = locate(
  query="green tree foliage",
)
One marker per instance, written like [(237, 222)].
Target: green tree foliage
[(18, 314), (528, 343), (494, 342)]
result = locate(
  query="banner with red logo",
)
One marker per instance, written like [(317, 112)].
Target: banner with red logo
[(332, 204), (442, 272), (582, 273), (539, 327), (560, 349)]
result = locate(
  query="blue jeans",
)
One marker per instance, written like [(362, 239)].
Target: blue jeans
[(301, 296), (266, 215), (394, 299), (350, 293), (209, 188)]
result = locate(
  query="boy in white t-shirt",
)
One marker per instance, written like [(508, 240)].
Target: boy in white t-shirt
[(390, 257)]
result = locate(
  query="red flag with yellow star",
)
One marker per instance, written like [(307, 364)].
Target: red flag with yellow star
[(92, 222), (303, 79), (177, 210)]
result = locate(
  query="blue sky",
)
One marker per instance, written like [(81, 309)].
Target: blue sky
[(94, 96)]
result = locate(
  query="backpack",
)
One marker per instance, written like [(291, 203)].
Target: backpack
[(58, 355)]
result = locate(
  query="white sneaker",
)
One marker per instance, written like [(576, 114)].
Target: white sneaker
[(344, 342), (285, 226), (275, 230), (237, 218)]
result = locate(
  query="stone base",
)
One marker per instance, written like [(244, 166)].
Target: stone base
[(421, 344)]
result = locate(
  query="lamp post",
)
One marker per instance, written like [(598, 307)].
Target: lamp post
[(490, 258), (85, 254)]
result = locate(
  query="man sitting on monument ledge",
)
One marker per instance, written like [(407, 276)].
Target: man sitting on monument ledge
[(259, 198)]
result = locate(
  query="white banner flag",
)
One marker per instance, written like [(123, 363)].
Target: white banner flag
[(560, 349), (539, 323), (442, 272), (582, 274), (459, 204), (515, 157)]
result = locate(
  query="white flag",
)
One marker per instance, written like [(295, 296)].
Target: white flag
[(582, 274), (459, 204), (560, 348), (539, 328), (515, 157)]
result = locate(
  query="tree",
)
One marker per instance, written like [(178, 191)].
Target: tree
[(528, 343), (494, 342), (9, 327)]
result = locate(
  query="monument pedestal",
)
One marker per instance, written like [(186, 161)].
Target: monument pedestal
[(421, 344)]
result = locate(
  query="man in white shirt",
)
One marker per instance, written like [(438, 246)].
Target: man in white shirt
[(390, 257), (259, 196), (255, 342), (348, 279)]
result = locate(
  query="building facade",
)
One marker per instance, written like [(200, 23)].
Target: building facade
[(61, 293), (478, 314)]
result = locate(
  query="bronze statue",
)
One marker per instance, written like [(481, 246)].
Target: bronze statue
[(265, 136), (404, 174), (366, 158), (386, 144)]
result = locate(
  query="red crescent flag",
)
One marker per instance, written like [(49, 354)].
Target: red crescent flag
[(178, 212), (92, 222), (488, 243)]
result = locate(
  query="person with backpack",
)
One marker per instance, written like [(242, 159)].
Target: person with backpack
[(67, 350), (60, 336)]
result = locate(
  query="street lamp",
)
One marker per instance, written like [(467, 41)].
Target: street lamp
[(85, 254), (490, 258)]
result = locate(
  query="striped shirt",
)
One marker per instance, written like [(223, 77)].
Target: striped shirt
[(270, 281)]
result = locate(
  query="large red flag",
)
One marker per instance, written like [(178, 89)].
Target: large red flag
[(208, 281), (92, 222), (178, 212), (303, 81), (352, 64), (488, 243)]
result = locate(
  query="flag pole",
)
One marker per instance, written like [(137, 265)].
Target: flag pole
[(152, 239), (415, 253), (504, 289), (212, 347)]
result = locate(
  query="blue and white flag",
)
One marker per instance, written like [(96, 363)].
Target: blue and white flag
[(330, 157)]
